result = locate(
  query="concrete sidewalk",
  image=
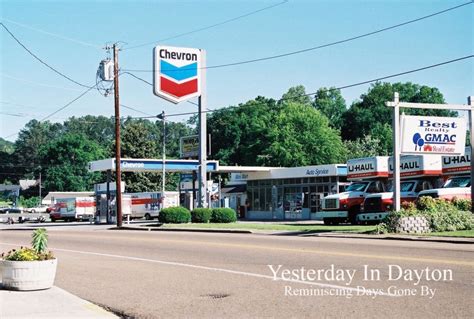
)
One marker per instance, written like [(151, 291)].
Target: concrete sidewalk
[(49, 303)]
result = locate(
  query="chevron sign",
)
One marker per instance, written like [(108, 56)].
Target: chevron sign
[(177, 73)]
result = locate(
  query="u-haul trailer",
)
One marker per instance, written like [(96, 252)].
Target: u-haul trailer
[(367, 175), (457, 173), (417, 172)]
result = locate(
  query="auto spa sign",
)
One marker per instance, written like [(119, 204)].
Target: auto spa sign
[(433, 135), (177, 73)]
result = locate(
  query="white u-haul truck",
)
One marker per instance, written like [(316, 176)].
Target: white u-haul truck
[(148, 204), (457, 173), (75, 208), (417, 173), (367, 175)]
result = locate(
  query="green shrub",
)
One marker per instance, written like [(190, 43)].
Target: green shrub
[(174, 215), (223, 215), (442, 215), (38, 252), (462, 204), (201, 215)]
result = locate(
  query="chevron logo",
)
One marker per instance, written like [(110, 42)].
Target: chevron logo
[(177, 73)]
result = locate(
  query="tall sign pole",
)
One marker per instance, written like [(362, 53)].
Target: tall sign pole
[(203, 135), (396, 152), (470, 112), (118, 171)]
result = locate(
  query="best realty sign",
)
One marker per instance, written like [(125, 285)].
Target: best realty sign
[(433, 135), (177, 73)]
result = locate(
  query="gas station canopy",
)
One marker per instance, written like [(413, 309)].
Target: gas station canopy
[(172, 165)]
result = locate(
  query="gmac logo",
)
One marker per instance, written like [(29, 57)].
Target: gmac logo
[(437, 134)]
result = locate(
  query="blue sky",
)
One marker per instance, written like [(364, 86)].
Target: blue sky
[(31, 90)]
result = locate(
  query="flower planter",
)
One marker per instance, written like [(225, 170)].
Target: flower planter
[(28, 275)]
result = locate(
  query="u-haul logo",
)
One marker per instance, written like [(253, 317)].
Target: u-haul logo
[(177, 73)]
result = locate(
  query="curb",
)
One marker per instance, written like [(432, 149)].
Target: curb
[(192, 230), (452, 240)]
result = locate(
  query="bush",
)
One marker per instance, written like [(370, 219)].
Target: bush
[(174, 215), (201, 215), (463, 204), (442, 215), (38, 251), (223, 215)]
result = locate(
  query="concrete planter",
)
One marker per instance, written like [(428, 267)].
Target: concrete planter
[(28, 275)]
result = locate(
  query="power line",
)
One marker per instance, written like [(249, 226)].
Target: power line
[(327, 44), (209, 26), (40, 60), (68, 104), (53, 34), (37, 83), (134, 109), (335, 88)]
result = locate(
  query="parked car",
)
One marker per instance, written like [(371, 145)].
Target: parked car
[(39, 209)]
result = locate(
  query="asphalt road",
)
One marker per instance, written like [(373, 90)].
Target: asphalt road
[(202, 275)]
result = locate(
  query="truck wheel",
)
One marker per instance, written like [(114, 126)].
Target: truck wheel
[(148, 216), (327, 221), (353, 215)]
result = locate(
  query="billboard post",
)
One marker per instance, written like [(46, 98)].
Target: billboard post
[(471, 139), (396, 152), (203, 135)]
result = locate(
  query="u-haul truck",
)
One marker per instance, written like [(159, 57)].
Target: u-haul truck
[(457, 172), (73, 209), (417, 173), (148, 204), (367, 175)]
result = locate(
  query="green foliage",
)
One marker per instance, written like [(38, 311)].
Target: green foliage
[(29, 202), (6, 146), (296, 94), (175, 215), (38, 251), (331, 103), (40, 240), (462, 204), (442, 215), (26, 254), (300, 135), (66, 160), (362, 147), (223, 215), (201, 215)]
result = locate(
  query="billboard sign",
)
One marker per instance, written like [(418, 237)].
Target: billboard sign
[(176, 73), (433, 135), (189, 146)]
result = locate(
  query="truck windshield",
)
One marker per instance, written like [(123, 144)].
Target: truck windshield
[(356, 187), (404, 186), (458, 182)]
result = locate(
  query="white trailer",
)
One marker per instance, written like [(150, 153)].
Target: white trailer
[(148, 204), (74, 208)]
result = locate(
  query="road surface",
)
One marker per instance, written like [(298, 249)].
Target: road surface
[(202, 275)]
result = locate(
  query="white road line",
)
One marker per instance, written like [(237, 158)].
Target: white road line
[(229, 271)]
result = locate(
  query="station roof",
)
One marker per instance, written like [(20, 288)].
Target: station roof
[(171, 165)]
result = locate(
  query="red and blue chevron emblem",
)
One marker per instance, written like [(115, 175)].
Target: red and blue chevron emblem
[(176, 76)]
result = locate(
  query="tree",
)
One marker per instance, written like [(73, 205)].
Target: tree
[(6, 146), (300, 135), (99, 129), (66, 161), (363, 147), (330, 103), (296, 94), (370, 116)]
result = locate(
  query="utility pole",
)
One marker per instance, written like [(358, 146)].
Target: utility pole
[(40, 186), (163, 117), (118, 171)]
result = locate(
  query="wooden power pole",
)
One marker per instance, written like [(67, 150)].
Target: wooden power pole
[(118, 171)]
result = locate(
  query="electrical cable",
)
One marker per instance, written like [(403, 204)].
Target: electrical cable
[(207, 27), (40, 60), (334, 88), (52, 34), (327, 44)]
